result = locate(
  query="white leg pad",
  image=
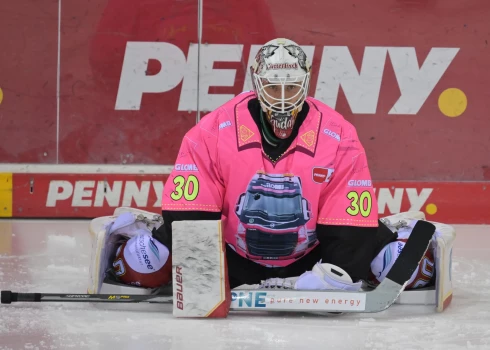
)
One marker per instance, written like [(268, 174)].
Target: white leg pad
[(441, 293), (200, 276), (444, 240), (99, 261)]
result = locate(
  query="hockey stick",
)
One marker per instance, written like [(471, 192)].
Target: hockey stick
[(376, 300), (8, 297)]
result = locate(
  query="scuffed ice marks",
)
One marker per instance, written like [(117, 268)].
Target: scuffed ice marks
[(464, 325)]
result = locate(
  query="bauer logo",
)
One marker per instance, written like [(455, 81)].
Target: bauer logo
[(332, 134), (179, 288), (321, 175)]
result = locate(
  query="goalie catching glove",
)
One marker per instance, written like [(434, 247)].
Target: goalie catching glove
[(124, 251)]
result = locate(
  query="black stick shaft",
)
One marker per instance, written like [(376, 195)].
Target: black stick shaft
[(8, 297)]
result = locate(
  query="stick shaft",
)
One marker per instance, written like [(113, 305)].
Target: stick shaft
[(10, 297)]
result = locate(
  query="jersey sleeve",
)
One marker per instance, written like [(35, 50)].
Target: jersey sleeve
[(349, 198), (195, 183)]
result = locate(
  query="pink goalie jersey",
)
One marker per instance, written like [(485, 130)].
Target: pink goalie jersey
[(270, 209)]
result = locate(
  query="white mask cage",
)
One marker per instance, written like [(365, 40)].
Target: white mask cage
[(293, 92), (281, 76)]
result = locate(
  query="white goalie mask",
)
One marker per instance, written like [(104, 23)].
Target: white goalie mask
[(281, 77)]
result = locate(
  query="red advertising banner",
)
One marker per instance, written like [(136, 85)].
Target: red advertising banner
[(92, 195), (86, 195), (121, 81)]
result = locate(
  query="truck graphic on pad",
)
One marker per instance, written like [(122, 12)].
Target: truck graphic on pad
[(272, 218)]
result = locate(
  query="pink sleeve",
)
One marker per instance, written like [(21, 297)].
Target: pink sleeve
[(194, 184), (348, 198)]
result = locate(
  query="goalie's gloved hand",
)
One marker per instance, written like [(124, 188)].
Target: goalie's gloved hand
[(326, 277), (163, 234)]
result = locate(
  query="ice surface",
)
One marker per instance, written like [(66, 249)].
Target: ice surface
[(52, 256)]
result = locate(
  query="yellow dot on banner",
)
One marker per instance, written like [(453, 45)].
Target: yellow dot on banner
[(431, 209), (452, 102), (1, 96)]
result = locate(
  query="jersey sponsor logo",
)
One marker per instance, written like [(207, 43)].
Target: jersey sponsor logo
[(321, 175), (225, 124), (186, 167), (332, 134), (273, 186), (359, 183)]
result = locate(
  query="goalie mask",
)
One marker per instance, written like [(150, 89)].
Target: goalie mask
[(281, 77)]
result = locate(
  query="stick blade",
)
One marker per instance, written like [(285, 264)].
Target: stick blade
[(412, 252)]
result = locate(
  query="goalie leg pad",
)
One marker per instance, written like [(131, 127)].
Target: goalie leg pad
[(200, 276), (441, 292), (443, 250)]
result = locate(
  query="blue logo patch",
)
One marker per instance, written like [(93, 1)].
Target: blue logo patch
[(386, 260), (154, 249)]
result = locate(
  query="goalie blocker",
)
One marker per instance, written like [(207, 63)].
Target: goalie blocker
[(200, 286)]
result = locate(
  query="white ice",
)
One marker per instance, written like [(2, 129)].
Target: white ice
[(53, 256)]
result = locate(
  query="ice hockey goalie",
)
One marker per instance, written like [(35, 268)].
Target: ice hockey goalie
[(126, 258)]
